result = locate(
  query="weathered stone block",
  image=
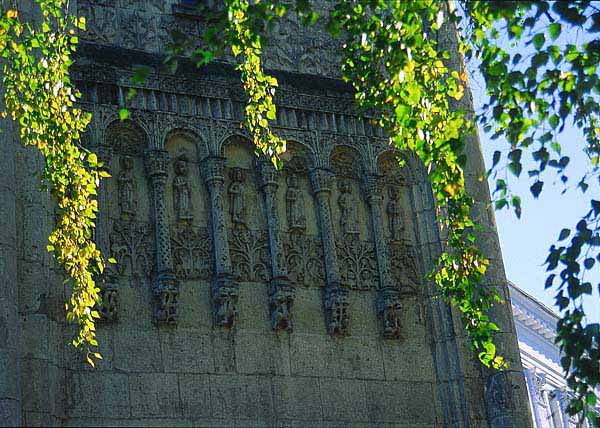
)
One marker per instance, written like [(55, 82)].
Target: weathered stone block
[(242, 397), (223, 349), (186, 351), (313, 355), (297, 398), (409, 402), (195, 395), (262, 353), (138, 350), (361, 358), (97, 395), (343, 399), (154, 395)]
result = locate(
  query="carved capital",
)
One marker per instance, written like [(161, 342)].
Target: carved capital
[(281, 301), (372, 185), (225, 293), (212, 169), (267, 175), (388, 308), (156, 162), (166, 294), (321, 180), (104, 154), (108, 309), (336, 310)]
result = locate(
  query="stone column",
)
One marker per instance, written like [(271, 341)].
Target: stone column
[(281, 291), (106, 281), (166, 288), (388, 296), (224, 289), (336, 295)]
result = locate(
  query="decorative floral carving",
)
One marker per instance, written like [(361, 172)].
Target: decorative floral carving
[(250, 255), (348, 210), (388, 308), (127, 188), (395, 215), (295, 205), (304, 260), (182, 190), (237, 203), (404, 267), (192, 253), (358, 266), (131, 248)]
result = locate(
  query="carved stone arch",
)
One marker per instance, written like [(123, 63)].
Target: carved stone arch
[(192, 136), (127, 137), (388, 165), (228, 134), (298, 158), (346, 161)]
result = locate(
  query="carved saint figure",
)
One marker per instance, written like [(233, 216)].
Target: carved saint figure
[(182, 190), (348, 210), (127, 188), (389, 308), (295, 205), (224, 305), (394, 212), (237, 205)]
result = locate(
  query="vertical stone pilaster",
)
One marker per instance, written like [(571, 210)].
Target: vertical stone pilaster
[(281, 291), (336, 295), (388, 296), (224, 289), (166, 288)]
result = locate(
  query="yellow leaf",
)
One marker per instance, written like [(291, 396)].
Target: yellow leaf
[(11, 13)]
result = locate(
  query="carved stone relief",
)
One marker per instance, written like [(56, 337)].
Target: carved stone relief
[(348, 211), (358, 265), (281, 301), (107, 309), (237, 198), (127, 188), (388, 308), (395, 215), (294, 198), (131, 246), (182, 190), (404, 267), (304, 260), (249, 255), (336, 311), (192, 253)]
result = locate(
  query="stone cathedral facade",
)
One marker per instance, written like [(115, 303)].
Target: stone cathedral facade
[(242, 295)]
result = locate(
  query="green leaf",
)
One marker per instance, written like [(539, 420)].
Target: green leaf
[(538, 40), (123, 114), (554, 30), (536, 188), (564, 234)]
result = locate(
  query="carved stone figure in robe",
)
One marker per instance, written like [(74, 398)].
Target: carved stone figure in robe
[(348, 210), (394, 212), (182, 190), (295, 205), (127, 188), (237, 204)]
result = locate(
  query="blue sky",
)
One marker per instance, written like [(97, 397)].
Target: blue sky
[(525, 242)]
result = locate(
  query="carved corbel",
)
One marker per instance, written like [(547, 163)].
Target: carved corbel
[(224, 289), (388, 299), (281, 292), (166, 287), (336, 295)]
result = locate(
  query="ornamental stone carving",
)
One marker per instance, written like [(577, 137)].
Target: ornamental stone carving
[(281, 301), (192, 253), (182, 190), (296, 217), (336, 311), (388, 308), (348, 210), (224, 297), (131, 247), (249, 255), (107, 309), (395, 215), (237, 202), (127, 188), (358, 266), (304, 260), (166, 286)]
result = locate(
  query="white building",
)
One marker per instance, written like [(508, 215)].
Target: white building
[(548, 395)]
